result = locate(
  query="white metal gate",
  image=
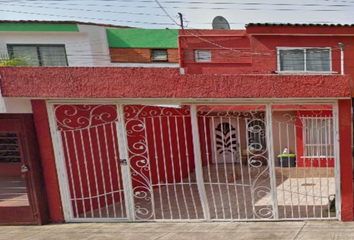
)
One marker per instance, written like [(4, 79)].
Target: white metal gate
[(196, 162)]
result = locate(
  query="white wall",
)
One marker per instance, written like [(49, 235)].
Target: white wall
[(15, 105), (77, 45)]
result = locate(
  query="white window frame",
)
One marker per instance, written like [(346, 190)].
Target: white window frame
[(37, 46), (202, 60), (305, 70), (330, 134)]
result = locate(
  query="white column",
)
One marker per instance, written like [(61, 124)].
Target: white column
[(198, 162)]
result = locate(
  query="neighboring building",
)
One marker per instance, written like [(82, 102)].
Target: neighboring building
[(80, 44), (143, 47), (56, 43), (254, 126)]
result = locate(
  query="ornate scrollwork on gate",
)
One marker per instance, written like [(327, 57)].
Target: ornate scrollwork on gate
[(139, 161), (74, 117), (258, 162)]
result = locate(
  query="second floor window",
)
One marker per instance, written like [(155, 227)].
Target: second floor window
[(40, 55), (159, 55), (202, 55), (304, 60)]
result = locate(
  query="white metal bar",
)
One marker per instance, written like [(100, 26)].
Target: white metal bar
[(225, 167), (95, 173), (165, 167), (241, 167), (102, 172), (79, 172), (62, 171), (157, 168), (234, 169), (323, 123), (87, 173), (291, 191), (126, 171), (336, 139), (208, 165), (117, 165), (173, 166), (149, 166), (328, 129), (180, 167), (109, 170), (306, 134), (217, 169), (270, 140), (76, 214), (248, 168), (314, 150), (198, 162), (281, 169), (188, 167), (297, 173)]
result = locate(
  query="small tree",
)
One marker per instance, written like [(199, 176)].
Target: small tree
[(5, 61)]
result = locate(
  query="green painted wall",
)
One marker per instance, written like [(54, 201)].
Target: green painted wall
[(38, 27), (142, 38)]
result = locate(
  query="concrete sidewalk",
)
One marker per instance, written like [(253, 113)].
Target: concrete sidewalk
[(181, 231)]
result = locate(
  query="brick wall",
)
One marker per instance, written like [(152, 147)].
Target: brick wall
[(138, 55), (172, 55)]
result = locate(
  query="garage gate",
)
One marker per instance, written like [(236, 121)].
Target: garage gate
[(196, 162)]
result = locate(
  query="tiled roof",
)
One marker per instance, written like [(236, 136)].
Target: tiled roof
[(298, 25), (63, 22)]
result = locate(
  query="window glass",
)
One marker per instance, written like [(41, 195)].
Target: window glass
[(40, 55), (292, 60), (310, 60), (318, 60), (53, 55), (29, 53), (202, 55), (159, 55), (9, 148)]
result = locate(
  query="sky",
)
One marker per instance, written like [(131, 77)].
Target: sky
[(197, 13)]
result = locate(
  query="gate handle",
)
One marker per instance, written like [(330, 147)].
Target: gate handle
[(123, 161), (24, 169)]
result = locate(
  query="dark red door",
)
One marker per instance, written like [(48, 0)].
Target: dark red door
[(21, 187)]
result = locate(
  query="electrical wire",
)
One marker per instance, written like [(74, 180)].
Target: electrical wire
[(87, 18)]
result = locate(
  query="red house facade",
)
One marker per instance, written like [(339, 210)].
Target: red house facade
[(255, 125)]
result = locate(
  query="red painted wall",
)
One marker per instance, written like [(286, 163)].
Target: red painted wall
[(346, 159), (40, 116), (101, 82), (254, 51), (224, 60)]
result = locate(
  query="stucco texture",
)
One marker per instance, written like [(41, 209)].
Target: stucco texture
[(102, 82)]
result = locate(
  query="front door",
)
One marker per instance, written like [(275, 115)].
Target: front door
[(19, 172), (225, 140)]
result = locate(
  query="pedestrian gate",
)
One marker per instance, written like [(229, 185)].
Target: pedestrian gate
[(196, 162)]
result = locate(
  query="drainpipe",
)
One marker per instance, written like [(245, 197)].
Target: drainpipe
[(341, 46), (180, 56), (2, 101)]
